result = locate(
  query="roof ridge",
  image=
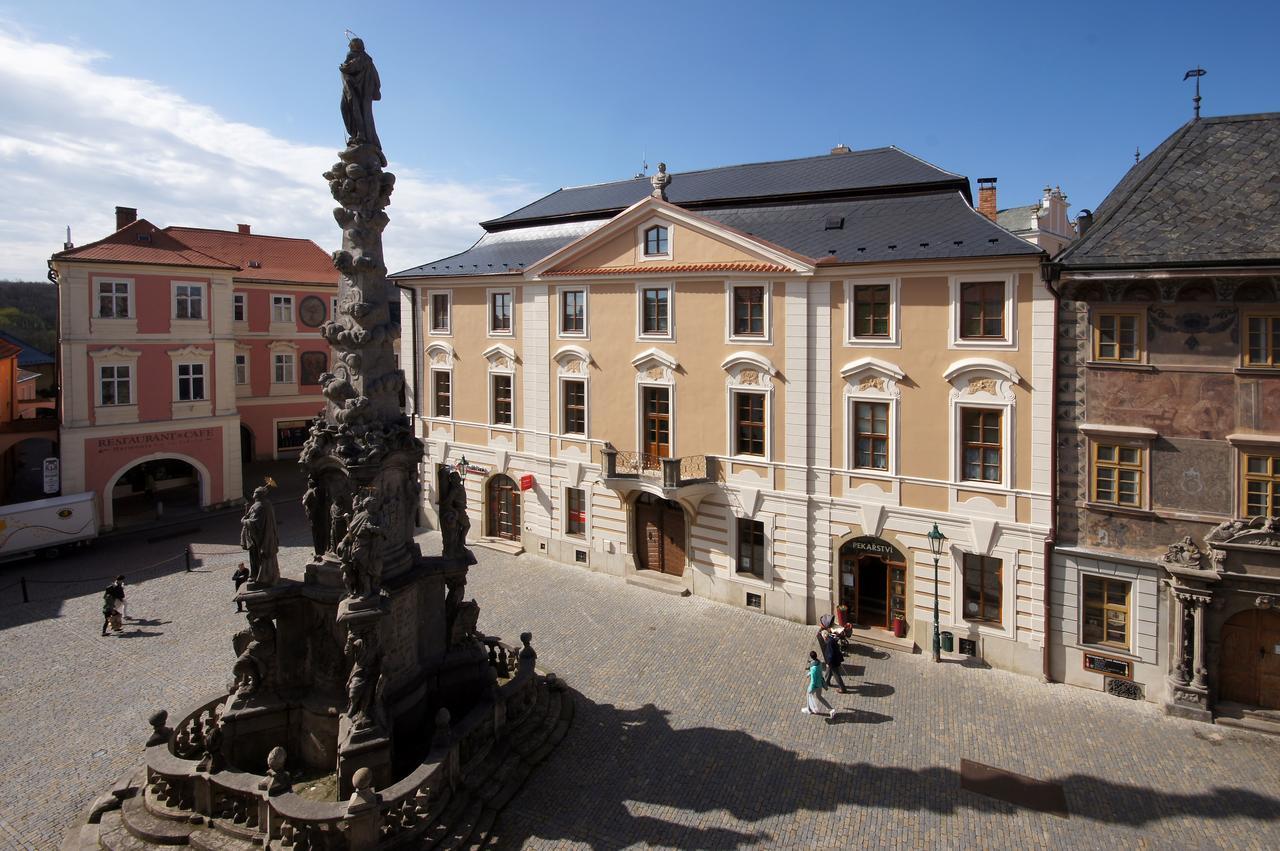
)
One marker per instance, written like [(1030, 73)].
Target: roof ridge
[(168, 228)]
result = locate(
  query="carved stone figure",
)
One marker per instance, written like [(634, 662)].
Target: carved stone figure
[(361, 550), (337, 521), (1184, 554), (360, 88), (659, 182), (211, 760), (454, 522), (457, 587), (255, 656), (465, 622), (364, 681), (258, 535), (313, 503)]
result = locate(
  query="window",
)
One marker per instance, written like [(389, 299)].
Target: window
[(242, 369), (982, 598), (442, 392), (282, 373), (982, 310), (440, 313), (575, 511), (500, 313), (871, 435), (116, 384), (573, 312), (282, 308), (237, 307), (871, 305), (575, 407), (1117, 337), (655, 241), (750, 547), (188, 301), (748, 311), (113, 299), (1261, 485), (190, 382), (749, 418), (1117, 474), (656, 317), (502, 400), (1262, 341), (982, 445), (1106, 612)]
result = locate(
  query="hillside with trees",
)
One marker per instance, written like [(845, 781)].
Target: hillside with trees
[(29, 310)]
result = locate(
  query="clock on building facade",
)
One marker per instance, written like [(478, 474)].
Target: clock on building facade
[(312, 311)]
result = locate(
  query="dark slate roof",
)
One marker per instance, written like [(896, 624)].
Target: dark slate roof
[(1209, 195), (1017, 219), (929, 226), (811, 176), (29, 355)]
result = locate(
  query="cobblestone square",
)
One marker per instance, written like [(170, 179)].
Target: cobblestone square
[(688, 730)]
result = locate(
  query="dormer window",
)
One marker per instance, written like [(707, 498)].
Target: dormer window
[(655, 241)]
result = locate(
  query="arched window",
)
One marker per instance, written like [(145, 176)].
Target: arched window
[(655, 240)]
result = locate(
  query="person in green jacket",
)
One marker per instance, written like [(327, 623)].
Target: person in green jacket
[(816, 686)]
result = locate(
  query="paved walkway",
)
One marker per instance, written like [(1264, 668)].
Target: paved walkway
[(688, 732)]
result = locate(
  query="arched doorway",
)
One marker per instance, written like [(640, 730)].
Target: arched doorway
[(149, 490), (873, 582), (246, 444), (1249, 669), (659, 535), (22, 469), (502, 503)]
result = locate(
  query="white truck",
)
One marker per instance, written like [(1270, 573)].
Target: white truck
[(47, 526)]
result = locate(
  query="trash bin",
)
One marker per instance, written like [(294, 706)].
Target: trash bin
[(948, 642)]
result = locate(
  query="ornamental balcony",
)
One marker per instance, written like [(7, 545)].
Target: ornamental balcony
[(691, 477)]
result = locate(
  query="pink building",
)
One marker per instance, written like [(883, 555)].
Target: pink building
[(185, 352)]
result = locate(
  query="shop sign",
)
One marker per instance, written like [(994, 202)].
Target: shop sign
[(51, 476), (157, 440), (526, 482), (874, 546), (1108, 665), (478, 470)]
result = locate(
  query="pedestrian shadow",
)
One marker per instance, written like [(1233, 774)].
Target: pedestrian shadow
[(136, 633), (147, 622), (625, 777), (872, 689)]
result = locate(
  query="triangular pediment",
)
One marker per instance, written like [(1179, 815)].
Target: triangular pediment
[(692, 243)]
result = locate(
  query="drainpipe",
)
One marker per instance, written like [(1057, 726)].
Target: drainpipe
[(1049, 272)]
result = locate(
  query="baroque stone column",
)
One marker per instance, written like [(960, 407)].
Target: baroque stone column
[(1188, 676)]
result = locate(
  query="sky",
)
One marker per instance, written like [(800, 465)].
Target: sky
[(211, 114)]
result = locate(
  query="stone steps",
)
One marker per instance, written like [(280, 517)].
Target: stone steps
[(143, 824), (208, 839)]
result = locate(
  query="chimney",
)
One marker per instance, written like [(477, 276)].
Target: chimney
[(1084, 221), (125, 216), (841, 149), (243, 229), (987, 197)]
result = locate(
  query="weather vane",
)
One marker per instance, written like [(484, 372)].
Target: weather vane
[(1196, 72)]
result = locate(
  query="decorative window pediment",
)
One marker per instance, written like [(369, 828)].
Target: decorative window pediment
[(655, 365), (872, 376), (748, 369), (573, 360), (115, 353), (982, 379), (501, 357), (283, 346), (440, 355), (188, 353)]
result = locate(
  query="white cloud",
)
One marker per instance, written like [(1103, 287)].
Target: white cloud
[(75, 142)]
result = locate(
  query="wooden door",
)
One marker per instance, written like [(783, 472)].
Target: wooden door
[(659, 536), (1269, 659), (657, 422), (1249, 666), (673, 541), (504, 508)]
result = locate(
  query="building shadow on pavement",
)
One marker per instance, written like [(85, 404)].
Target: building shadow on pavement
[(628, 778)]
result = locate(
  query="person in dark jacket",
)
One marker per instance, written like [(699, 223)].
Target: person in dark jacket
[(240, 577), (834, 658)]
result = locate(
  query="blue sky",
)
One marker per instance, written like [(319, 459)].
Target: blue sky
[(212, 113)]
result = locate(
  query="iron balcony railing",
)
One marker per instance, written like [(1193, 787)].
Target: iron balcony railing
[(672, 472)]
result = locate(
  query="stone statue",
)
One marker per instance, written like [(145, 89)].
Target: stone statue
[(454, 523), (360, 88), (211, 760), (364, 681), (659, 182), (313, 503), (258, 536), (337, 523), (255, 655), (457, 587), (361, 550)]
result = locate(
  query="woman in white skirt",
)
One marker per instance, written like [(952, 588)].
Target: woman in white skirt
[(816, 700)]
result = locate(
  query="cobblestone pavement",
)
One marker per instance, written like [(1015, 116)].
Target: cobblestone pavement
[(688, 730)]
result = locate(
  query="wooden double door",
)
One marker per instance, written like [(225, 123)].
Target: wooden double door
[(503, 508), (659, 535), (1249, 665), (872, 589)]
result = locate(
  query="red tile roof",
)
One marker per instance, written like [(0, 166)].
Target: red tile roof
[(668, 269), (143, 242), (277, 258), (9, 350)]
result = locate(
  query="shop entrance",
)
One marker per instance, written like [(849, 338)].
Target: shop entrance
[(1249, 671), (659, 535), (503, 500), (151, 490), (873, 582)]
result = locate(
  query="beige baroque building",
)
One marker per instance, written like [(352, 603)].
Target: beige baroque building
[(762, 384)]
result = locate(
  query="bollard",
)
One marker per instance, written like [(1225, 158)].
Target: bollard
[(23, 581), (188, 558)]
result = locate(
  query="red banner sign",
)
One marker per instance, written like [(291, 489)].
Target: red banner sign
[(526, 483)]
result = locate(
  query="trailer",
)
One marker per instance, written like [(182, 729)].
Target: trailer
[(47, 526)]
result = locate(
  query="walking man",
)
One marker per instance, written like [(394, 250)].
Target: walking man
[(122, 606), (835, 658), (240, 577), (815, 698)]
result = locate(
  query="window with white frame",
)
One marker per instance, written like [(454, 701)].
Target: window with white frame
[(575, 512), (983, 312), (655, 312), (188, 301), (982, 445), (983, 589), (749, 311), (502, 403), (282, 371), (441, 393), (115, 383), (872, 308), (750, 431), (573, 313), (190, 382), (983, 406), (282, 308), (871, 395), (750, 549), (500, 312), (238, 307), (870, 435), (242, 369), (439, 308), (115, 300), (656, 241), (574, 407)]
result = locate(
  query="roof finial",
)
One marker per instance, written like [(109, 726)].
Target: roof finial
[(659, 182), (1137, 154), (1196, 72)]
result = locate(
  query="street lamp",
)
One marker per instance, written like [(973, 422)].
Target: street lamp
[(936, 540)]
